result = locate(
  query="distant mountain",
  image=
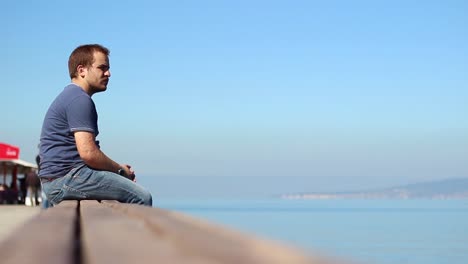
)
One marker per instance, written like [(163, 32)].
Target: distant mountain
[(444, 189)]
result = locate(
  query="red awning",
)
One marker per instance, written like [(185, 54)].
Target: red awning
[(10, 162), (8, 151)]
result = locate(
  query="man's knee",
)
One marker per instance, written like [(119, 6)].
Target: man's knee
[(147, 199)]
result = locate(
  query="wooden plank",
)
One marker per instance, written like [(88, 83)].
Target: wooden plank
[(110, 236), (197, 240), (48, 237), (12, 216)]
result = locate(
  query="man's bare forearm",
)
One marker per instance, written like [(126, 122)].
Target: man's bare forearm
[(91, 154), (98, 160)]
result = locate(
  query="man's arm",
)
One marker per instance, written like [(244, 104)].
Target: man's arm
[(94, 157)]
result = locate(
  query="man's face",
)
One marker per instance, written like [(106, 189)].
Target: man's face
[(98, 73)]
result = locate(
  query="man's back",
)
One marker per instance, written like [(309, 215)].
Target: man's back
[(72, 110)]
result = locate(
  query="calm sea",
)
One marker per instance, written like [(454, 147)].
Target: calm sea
[(369, 231)]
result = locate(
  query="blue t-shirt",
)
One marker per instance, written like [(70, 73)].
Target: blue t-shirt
[(73, 110)]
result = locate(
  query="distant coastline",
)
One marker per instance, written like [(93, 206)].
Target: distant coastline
[(456, 188)]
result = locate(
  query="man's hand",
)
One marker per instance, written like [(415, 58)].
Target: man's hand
[(129, 173)]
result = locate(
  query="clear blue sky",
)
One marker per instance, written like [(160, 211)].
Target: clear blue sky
[(319, 94)]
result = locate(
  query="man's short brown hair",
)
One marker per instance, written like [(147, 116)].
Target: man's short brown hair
[(84, 55)]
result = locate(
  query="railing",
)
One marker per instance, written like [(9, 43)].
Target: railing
[(79, 232)]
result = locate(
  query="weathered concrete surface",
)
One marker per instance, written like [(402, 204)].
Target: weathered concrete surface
[(13, 216)]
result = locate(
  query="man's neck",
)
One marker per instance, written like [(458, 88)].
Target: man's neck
[(82, 85)]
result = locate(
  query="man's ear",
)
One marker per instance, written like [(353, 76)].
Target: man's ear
[(82, 70)]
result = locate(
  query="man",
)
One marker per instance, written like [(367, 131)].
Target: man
[(33, 186), (44, 202), (72, 165)]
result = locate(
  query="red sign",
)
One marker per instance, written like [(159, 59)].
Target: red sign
[(9, 151)]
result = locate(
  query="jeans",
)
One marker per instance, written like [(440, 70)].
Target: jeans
[(44, 203), (84, 183)]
